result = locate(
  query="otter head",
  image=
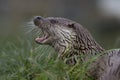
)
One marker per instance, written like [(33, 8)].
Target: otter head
[(66, 36), (56, 32)]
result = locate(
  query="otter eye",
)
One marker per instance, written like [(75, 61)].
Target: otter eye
[(53, 21)]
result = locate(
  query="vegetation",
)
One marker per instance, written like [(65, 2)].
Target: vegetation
[(20, 59)]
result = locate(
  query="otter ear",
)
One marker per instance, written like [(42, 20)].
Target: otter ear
[(71, 25)]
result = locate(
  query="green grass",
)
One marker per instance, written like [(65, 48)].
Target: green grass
[(23, 60)]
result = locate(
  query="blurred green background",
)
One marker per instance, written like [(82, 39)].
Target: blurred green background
[(22, 59), (101, 17)]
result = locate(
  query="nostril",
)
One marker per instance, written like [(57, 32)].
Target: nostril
[(39, 17)]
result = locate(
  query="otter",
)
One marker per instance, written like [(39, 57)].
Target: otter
[(69, 38)]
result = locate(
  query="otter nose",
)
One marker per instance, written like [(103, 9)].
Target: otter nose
[(38, 20), (39, 17)]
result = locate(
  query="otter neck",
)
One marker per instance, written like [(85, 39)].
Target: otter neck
[(86, 44), (82, 44)]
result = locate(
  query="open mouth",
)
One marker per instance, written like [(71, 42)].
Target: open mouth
[(43, 39), (46, 38)]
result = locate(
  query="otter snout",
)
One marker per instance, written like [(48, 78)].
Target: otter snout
[(38, 20)]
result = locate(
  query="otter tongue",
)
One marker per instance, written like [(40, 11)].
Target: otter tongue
[(40, 40)]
